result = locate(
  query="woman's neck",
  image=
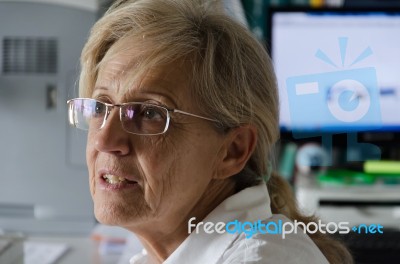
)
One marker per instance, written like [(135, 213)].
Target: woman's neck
[(161, 239)]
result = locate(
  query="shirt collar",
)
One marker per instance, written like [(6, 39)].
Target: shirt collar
[(250, 204)]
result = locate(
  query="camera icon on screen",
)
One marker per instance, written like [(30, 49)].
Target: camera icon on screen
[(340, 101), (336, 102), (343, 101)]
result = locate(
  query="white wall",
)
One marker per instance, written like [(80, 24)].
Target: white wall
[(43, 176), (90, 5)]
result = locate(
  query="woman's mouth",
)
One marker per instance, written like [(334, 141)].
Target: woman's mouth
[(111, 181)]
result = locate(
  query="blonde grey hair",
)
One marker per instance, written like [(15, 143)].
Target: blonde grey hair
[(232, 77)]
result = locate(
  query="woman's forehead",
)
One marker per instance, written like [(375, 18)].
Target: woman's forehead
[(124, 74), (134, 56), (114, 68)]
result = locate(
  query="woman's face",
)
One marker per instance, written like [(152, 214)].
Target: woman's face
[(168, 174)]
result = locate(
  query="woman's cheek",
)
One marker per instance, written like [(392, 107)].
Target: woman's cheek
[(158, 165)]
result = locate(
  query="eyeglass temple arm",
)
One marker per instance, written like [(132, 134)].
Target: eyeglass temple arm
[(189, 114)]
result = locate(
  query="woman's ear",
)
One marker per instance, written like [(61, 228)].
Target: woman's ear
[(238, 147)]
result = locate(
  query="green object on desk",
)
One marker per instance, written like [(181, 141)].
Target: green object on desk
[(287, 163), (382, 167), (345, 177)]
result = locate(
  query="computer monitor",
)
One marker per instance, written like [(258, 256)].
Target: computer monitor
[(338, 70)]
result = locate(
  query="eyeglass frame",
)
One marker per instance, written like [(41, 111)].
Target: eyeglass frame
[(109, 107)]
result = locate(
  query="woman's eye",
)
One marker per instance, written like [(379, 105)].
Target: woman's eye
[(99, 108), (152, 113)]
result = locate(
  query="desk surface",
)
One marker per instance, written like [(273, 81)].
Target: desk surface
[(81, 250)]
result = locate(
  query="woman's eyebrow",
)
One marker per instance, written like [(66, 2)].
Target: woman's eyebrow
[(160, 94), (100, 88), (158, 91)]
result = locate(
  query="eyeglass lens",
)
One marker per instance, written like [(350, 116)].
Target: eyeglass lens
[(137, 118)]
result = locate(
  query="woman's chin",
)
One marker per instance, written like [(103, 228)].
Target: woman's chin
[(114, 215)]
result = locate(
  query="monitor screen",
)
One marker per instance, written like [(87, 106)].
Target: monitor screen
[(338, 70)]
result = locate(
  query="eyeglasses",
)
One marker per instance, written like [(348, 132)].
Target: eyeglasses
[(136, 118)]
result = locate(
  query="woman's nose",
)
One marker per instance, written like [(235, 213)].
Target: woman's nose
[(112, 138)]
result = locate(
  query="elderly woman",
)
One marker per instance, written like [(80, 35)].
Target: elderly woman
[(181, 108)]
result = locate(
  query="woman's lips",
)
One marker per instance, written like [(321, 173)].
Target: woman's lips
[(120, 185), (114, 181)]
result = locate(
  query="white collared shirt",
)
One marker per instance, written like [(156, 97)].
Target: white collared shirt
[(251, 204)]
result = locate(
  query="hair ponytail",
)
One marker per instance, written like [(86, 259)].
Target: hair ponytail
[(283, 202)]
